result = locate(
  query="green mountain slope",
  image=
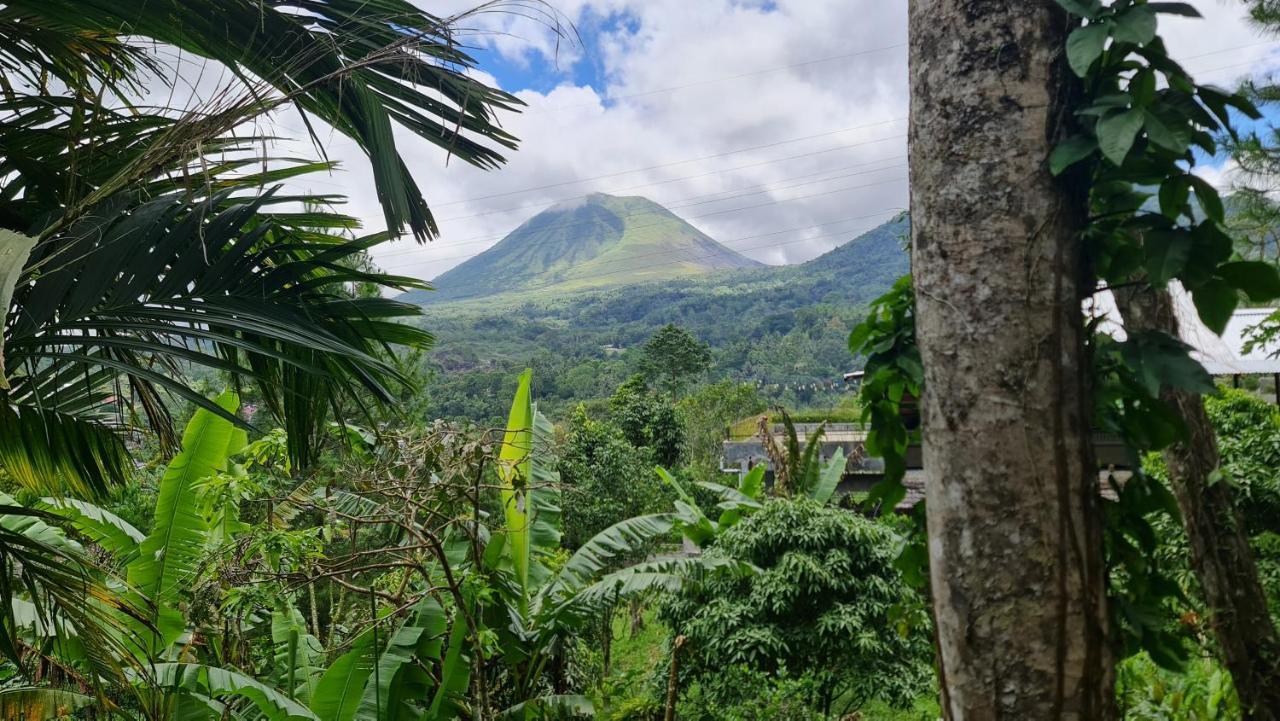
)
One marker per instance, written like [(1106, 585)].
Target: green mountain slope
[(597, 242), (784, 327)]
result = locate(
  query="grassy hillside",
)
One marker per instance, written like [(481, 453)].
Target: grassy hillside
[(599, 241)]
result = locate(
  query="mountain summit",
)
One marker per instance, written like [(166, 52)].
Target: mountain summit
[(593, 242)]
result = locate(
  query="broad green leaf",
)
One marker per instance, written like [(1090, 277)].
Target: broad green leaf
[(1215, 301), (752, 484), (1208, 197), (15, 248), (1167, 252), (337, 694), (1116, 134), (1175, 8), (1085, 45), (400, 678), (1136, 24), (299, 657), (619, 541), (829, 478), (1260, 281), (1174, 193), (1177, 140), (167, 559), (514, 468), (455, 674), (1160, 360), (1081, 8), (544, 491), (1143, 88), (221, 683)]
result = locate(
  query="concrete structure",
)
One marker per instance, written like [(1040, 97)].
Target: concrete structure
[(1222, 356)]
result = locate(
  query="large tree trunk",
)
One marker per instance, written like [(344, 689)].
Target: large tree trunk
[(1220, 552), (1014, 519)]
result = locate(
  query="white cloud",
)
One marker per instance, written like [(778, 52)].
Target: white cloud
[(817, 87)]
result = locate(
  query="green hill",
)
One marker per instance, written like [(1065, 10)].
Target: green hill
[(597, 242)]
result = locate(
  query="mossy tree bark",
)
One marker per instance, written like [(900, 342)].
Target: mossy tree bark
[(1220, 553), (1013, 512)]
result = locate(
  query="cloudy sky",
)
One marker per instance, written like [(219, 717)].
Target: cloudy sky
[(776, 126)]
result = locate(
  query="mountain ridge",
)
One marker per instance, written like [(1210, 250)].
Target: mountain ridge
[(598, 241)]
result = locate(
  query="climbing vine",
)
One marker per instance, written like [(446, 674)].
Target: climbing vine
[(1139, 126)]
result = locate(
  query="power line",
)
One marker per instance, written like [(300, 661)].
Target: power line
[(673, 163), (710, 81), (563, 199)]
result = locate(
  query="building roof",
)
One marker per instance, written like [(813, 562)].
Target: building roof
[(1221, 355)]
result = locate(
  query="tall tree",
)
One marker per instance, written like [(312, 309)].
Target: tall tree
[(1220, 552), (1014, 524), (673, 356)]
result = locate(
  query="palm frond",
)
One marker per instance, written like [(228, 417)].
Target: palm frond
[(357, 66)]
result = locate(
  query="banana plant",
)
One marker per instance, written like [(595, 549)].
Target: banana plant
[(542, 609), (803, 466)]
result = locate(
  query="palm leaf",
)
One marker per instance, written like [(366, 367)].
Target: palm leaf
[(14, 250), (46, 451), (356, 66)]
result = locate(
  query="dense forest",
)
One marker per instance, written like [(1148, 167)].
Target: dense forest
[(246, 473)]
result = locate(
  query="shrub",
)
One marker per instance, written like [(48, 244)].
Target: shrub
[(826, 604)]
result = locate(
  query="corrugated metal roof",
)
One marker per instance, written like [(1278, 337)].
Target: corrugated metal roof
[(1221, 355)]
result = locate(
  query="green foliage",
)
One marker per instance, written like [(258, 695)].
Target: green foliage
[(892, 380), (1136, 136), (799, 470), (707, 412), (605, 479), (162, 239), (1248, 430), (648, 419), (742, 692), (1203, 692), (823, 603), (786, 331), (166, 562)]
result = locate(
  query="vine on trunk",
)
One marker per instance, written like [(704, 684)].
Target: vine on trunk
[(1141, 121)]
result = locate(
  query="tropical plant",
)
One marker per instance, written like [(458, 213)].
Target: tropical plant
[(826, 602), (604, 479), (800, 470), (138, 240)]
